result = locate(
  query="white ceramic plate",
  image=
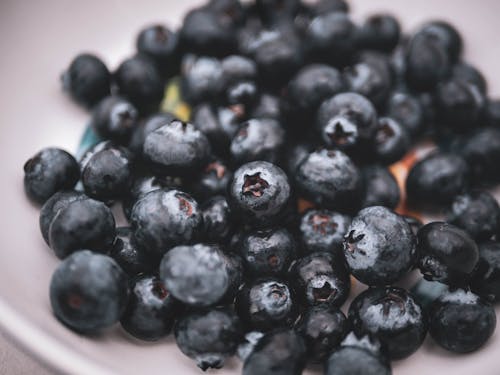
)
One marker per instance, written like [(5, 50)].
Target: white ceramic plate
[(37, 40)]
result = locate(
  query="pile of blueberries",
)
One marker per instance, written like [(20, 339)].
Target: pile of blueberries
[(247, 222)]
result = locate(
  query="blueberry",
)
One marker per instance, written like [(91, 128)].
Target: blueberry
[(266, 304), (128, 256), (160, 44), (212, 181), (482, 152), (162, 219), (267, 252), (486, 277), (468, 73), (267, 106), (139, 80), (282, 352), (88, 292), (393, 316), (461, 321), (414, 223), (379, 246), (275, 10), (323, 230), (150, 124), (248, 345), (327, 6), (477, 213), (437, 179), (115, 118), (217, 220), (48, 172), (330, 179), (151, 309), (358, 356), (392, 141), (198, 275), (259, 193), (312, 85), (446, 35), (459, 105), (492, 113), (209, 336), (238, 68), (229, 11), (323, 328), (346, 119), (331, 37), (258, 139), (242, 93), (380, 187), (53, 205), (177, 148), (321, 279), (407, 110), (107, 174), (87, 80), (379, 32), (202, 79), (447, 253), (82, 224)]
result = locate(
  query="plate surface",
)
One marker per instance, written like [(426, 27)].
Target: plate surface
[(37, 40)]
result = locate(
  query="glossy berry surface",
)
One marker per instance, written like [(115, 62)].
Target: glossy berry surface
[(379, 32), (486, 277), (380, 187), (209, 336), (115, 118), (212, 180), (48, 172), (82, 224), (392, 141), (203, 79), (323, 230), (259, 193), (447, 253), (160, 44), (321, 278), (482, 153), (198, 275), (266, 304), (129, 257), (87, 79), (379, 246), (282, 352), (461, 321), (163, 219), (88, 292), (151, 309), (217, 219), (446, 35), (143, 128), (267, 252), (407, 110), (393, 316), (323, 328)]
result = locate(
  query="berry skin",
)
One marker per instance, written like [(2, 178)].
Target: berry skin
[(392, 141), (212, 181), (139, 80), (486, 277), (150, 124), (323, 230), (482, 153), (477, 213), (128, 256), (466, 72), (446, 35), (203, 79), (379, 32), (281, 352), (198, 275), (88, 292), (330, 179), (217, 220), (408, 111), (115, 118), (358, 356), (258, 139), (393, 316), (209, 336), (321, 279), (87, 80), (346, 120), (163, 219), (266, 304), (379, 246), (461, 321), (107, 174), (447, 253), (414, 223), (177, 148), (160, 44), (267, 252), (151, 309), (327, 6), (267, 106), (323, 328), (380, 187), (82, 224), (48, 172), (259, 193), (53, 205), (492, 113), (437, 179), (238, 68)]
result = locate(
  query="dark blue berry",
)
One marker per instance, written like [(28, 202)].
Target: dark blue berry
[(407, 110), (202, 79), (468, 73), (379, 32), (486, 277), (115, 119), (482, 153), (212, 181), (128, 256), (380, 187), (160, 44), (392, 141), (217, 220)]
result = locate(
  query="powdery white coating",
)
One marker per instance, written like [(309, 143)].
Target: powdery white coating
[(246, 347), (380, 315), (363, 342), (460, 296)]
